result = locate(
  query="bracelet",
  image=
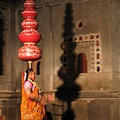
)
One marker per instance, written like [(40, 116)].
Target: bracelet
[(39, 98)]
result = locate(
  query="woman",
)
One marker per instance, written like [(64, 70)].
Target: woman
[(33, 101)]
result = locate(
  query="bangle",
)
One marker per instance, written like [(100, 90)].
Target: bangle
[(39, 98)]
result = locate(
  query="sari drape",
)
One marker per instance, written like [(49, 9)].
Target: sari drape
[(31, 109)]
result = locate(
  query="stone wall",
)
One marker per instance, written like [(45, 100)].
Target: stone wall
[(84, 96), (88, 106)]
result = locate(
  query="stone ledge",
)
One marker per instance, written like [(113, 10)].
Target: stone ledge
[(10, 95), (80, 94), (91, 94), (99, 94)]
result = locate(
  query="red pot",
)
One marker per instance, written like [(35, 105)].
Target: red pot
[(29, 35), (29, 52)]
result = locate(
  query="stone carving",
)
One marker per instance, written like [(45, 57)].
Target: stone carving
[(90, 44)]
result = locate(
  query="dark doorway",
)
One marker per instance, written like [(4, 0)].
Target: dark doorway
[(82, 63), (1, 46)]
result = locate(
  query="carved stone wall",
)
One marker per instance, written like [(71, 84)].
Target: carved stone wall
[(93, 95), (10, 77)]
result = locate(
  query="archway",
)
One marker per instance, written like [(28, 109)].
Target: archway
[(81, 63)]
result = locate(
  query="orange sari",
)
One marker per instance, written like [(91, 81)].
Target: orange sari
[(31, 110)]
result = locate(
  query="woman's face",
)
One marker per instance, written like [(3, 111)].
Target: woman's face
[(32, 75)]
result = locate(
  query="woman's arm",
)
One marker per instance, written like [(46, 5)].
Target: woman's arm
[(33, 96), (28, 86)]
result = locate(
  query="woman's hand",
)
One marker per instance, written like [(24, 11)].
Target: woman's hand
[(43, 100), (50, 97)]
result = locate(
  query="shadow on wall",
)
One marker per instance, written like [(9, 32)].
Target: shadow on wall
[(69, 91), (49, 115), (2, 45)]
